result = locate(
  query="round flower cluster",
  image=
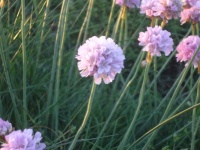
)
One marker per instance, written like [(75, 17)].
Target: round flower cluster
[(5, 127), (100, 58), (172, 9), (155, 40), (128, 3), (191, 13), (148, 7), (165, 9), (18, 140), (187, 48)]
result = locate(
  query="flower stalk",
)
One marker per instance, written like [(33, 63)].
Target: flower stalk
[(89, 106)]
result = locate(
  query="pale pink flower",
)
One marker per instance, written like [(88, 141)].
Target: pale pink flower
[(100, 58), (149, 7), (165, 9), (5, 127), (191, 14), (155, 40), (172, 9), (187, 48), (18, 140), (128, 3)]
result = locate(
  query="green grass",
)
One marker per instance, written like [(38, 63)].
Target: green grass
[(41, 87)]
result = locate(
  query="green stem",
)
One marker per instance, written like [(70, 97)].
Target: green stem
[(193, 29), (164, 122), (141, 97), (110, 18), (194, 118), (24, 64), (89, 106), (117, 23), (155, 84), (91, 3), (63, 26), (121, 32), (197, 28), (125, 32)]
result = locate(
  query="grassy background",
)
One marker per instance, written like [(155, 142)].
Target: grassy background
[(41, 87)]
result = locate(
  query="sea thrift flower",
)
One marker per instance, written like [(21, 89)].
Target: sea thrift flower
[(148, 7), (100, 58), (171, 9), (128, 3), (191, 14), (165, 9), (155, 40), (187, 48), (5, 127), (18, 140)]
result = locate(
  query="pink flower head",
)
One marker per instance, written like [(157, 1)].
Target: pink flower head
[(155, 40), (100, 58), (149, 7), (191, 14), (128, 3), (18, 140), (187, 48), (165, 9), (172, 9), (5, 127)]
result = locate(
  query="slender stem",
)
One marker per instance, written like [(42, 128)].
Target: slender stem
[(163, 23), (155, 83), (193, 29), (125, 32), (110, 18), (117, 23), (197, 28), (122, 28), (63, 26), (194, 118), (89, 106), (141, 97), (24, 64), (164, 122), (152, 22), (91, 3)]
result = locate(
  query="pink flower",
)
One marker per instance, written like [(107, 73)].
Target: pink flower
[(165, 9), (128, 3), (191, 14), (172, 9), (5, 127), (155, 40), (187, 48), (18, 140), (100, 58), (149, 7)]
